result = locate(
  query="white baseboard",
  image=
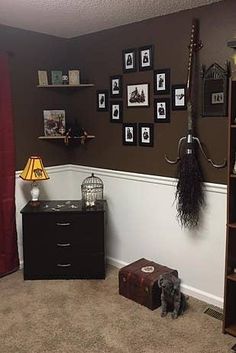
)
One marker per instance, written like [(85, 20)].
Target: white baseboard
[(203, 296), (115, 262)]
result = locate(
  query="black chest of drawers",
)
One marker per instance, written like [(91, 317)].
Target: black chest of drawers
[(61, 240)]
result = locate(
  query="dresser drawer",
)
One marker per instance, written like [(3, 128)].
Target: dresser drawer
[(82, 266), (56, 253), (46, 230)]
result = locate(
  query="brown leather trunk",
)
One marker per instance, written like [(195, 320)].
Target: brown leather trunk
[(141, 286)]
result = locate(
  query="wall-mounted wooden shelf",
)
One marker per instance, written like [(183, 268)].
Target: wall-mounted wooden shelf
[(232, 277), (89, 137), (81, 139), (67, 86)]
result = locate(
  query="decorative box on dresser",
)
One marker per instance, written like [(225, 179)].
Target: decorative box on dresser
[(63, 240)]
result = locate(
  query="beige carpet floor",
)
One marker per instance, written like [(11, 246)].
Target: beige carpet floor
[(80, 316)]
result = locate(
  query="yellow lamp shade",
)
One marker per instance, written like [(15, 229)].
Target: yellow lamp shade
[(34, 170)]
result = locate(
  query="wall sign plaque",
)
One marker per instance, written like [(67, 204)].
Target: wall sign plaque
[(215, 90)]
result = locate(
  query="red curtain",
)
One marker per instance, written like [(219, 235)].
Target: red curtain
[(9, 260)]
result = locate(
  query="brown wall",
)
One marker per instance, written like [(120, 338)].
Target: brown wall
[(99, 56), (28, 53)]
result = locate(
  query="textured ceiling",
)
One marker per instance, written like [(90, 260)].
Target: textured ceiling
[(70, 18)]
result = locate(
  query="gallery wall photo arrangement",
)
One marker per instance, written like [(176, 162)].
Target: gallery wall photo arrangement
[(146, 134), (179, 97), (162, 110), (146, 58), (129, 60), (116, 111), (138, 95), (116, 87), (162, 81), (102, 100), (129, 134), (54, 122)]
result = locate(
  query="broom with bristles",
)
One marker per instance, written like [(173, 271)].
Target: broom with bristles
[(189, 192)]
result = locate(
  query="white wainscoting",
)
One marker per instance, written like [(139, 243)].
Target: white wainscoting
[(142, 223)]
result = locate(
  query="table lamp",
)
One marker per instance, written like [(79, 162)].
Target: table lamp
[(34, 171)]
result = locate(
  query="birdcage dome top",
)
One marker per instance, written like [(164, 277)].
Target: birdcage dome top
[(92, 180)]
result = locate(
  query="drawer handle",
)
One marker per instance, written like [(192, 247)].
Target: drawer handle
[(63, 265), (63, 244), (63, 224)]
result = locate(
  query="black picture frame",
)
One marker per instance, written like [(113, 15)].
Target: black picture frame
[(145, 55), (137, 95), (129, 60), (146, 134), (129, 128), (116, 111), (102, 100), (162, 110), (116, 86), (161, 81), (215, 91), (179, 97)]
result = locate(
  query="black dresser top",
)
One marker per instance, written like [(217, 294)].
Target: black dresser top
[(62, 206)]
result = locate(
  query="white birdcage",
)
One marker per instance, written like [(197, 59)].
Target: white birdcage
[(91, 190)]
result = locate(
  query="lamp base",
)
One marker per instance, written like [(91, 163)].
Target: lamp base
[(34, 192)]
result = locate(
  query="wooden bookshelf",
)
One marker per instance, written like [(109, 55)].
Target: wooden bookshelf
[(229, 322)]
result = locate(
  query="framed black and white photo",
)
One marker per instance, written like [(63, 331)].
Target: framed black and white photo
[(116, 86), (162, 110), (129, 60), (146, 134), (102, 100), (146, 58), (116, 111), (179, 97), (162, 81), (130, 134), (138, 95)]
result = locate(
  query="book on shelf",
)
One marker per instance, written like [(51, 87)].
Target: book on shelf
[(56, 77), (42, 77), (74, 77)]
